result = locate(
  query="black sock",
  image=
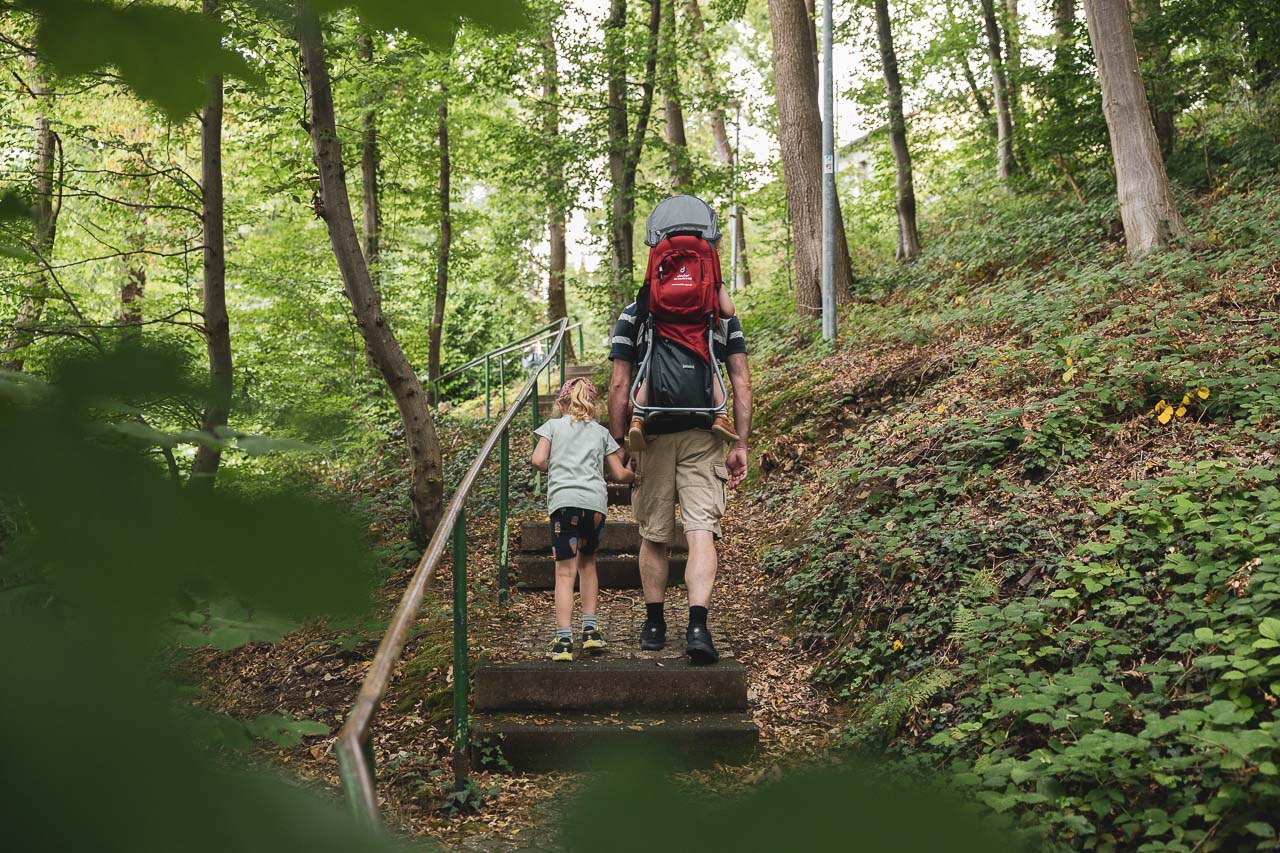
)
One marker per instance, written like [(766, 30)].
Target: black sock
[(653, 612), (697, 615)]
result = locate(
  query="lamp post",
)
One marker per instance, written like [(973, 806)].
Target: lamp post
[(828, 181), (735, 213)]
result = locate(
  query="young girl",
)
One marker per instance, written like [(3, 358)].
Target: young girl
[(720, 426), (575, 451)]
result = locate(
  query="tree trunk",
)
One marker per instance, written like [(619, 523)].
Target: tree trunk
[(624, 152), (217, 326), (557, 302), (984, 107), (427, 487), (1013, 56), (370, 160), (1156, 49), (724, 151), (908, 236), (800, 137), (436, 332), (44, 225), (135, 263), (135, 284), (1262, 41), (677, 144), (1064, 17), (815, 49), (1000, 90), (1147, 208)]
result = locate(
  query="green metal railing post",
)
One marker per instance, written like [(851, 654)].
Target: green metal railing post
[(533, 416), (581, 346), (461, 729), (504, 488), (487, 412), (502, 379), (562, 351)]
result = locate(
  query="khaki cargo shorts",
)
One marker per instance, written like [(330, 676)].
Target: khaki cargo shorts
[(687, 467)]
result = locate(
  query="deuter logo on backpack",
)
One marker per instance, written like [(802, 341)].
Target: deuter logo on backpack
[(683, 278)]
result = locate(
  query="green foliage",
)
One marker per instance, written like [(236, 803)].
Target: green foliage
[(162, 53), (102, 547)]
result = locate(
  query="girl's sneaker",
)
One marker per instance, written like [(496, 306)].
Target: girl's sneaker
[(592, 640), (561, 649)]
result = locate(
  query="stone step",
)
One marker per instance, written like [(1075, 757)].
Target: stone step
[(539, 742), (573, 371), (619, 536), (538, 571), (612, 684)]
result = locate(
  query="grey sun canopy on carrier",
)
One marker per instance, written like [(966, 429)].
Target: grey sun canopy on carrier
[(681, 213)]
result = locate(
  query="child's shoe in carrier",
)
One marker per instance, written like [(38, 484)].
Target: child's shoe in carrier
[(721, 427), (635, 436)]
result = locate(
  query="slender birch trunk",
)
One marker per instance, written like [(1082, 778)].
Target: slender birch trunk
[(44, 226), (908, 236), (1000, 91)]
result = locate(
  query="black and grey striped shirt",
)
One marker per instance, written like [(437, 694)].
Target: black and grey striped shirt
[(631, 339)]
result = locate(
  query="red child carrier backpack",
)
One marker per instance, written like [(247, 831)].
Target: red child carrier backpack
[(679, 308), (684, 279)]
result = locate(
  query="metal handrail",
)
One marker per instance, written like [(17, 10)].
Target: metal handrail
[(499, 355), (353, 746), (517, 343), (520, 343)]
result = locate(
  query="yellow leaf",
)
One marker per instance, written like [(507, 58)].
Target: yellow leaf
[(1182, 410), (897, 645), (1166, 415), (941, 408), (1069, 361), (1186, 398), (1068, 375), (1202, 393), (1160, 407), (959, 300)]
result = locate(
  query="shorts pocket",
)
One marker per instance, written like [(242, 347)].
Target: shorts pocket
[(722, 474)]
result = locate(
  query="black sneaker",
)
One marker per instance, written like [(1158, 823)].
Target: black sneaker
[(699, 646), (561, 649), (593, 641), (653, 635)]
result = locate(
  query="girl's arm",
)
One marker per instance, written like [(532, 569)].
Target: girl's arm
[(542, 454), (726, 303), (618, 473)]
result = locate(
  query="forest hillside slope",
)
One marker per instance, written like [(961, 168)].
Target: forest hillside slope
[(1029, 512)]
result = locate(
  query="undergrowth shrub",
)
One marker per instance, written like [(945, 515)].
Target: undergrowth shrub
[(1053, 571)]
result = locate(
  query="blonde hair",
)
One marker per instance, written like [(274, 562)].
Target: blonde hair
[(578, 400)]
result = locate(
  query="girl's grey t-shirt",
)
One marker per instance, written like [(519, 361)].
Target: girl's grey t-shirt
[(575, 477)]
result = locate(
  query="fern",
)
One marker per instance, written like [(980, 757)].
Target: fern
[(981, 586), (904, 697)]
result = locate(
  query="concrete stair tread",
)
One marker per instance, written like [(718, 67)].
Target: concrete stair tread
[(658, 684), (547, 741)]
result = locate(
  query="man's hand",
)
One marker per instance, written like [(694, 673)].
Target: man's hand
[(736, 462)]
